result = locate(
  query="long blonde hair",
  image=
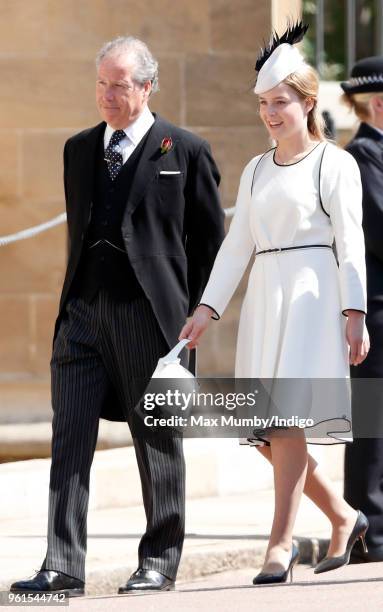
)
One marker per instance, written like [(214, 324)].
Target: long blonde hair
[(305, 83)]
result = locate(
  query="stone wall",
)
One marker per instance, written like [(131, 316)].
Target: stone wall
[(206, 50)]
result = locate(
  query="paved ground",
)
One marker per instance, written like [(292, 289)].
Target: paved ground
[(224, 546), (351, 588), (222, 533)]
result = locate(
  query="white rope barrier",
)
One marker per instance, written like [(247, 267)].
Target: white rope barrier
[(43, 227), (32, 231)]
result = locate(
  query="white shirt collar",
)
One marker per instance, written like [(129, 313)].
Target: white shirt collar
[(136, 131)]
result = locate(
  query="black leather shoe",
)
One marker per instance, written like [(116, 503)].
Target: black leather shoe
[(359, 531), (147, 580), (266, 578), (49, 581)]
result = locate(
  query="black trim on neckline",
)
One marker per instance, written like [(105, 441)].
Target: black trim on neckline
[(256, 166), (320, 174), (299, 160)]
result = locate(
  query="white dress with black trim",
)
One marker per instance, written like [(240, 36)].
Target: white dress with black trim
[(292, 323)]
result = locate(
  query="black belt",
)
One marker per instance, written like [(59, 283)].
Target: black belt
[(293, 248)]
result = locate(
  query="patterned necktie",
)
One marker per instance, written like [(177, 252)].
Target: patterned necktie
[(113, 154)]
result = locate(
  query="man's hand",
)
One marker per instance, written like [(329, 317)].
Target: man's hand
[(196, 326), (357, 337)]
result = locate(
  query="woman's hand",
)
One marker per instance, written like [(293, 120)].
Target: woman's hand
[(196, 326), (357, 337)]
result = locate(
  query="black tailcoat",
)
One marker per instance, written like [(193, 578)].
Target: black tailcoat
[(172, 227), (364, 458), (367, 148)]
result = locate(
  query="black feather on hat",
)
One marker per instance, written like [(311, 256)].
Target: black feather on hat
[(293, 34)]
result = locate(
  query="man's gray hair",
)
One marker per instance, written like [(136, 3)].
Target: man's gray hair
[(145, 66)]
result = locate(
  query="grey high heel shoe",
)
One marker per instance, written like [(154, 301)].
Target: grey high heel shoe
[(359, 531), (266, 578)]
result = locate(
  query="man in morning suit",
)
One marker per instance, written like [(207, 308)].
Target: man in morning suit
[(364, 457), (145, 224)]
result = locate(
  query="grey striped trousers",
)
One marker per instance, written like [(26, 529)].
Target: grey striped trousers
[(98, 344)]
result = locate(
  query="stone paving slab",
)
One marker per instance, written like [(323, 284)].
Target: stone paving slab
[(352, 588)]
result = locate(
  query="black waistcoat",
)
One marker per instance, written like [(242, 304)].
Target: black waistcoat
[(104, 267)]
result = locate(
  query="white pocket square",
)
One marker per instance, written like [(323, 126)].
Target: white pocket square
[(170, 172)]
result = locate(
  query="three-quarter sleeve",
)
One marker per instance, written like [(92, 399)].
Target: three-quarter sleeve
[(343, 202), (236, 249)]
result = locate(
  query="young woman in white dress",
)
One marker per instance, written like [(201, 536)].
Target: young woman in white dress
[(301, 317)]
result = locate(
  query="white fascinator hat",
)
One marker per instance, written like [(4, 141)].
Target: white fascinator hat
[(279, 58)]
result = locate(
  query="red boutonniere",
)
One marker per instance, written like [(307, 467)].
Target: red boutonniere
[(166, 145)]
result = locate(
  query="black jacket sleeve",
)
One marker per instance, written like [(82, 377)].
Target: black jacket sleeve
[(204, 221), (371, 168)]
